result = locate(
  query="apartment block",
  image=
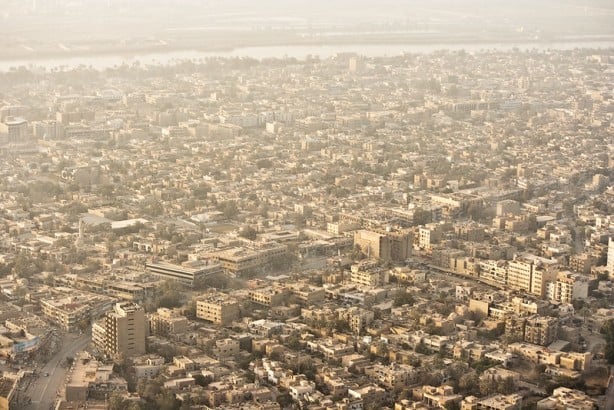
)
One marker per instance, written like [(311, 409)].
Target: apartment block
[(218, 308), (122, 331), (166, 322)]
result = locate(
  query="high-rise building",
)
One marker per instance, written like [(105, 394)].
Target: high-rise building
[(16, 129), (122, 331)]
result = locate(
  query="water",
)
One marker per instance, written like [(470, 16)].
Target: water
[(293, 51)]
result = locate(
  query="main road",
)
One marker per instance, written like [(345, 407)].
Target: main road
[(43, 391)]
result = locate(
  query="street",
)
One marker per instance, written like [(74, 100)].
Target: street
[(43, 390)]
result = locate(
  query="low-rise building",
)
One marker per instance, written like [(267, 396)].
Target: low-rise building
[(565, 398), (218, 308), (167, 322)]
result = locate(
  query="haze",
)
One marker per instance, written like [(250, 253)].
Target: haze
[(41, 28)]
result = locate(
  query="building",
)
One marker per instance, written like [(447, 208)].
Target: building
[(16, 129), (541, 330), (368, 274), (385, 245), (429, 235), (508, 206), (567, 287), (218, 308), (530, 274), (469, 232), (269, 296), (565, 398), (246, 260), (122, 331), (307, 294), (519, 274), (8, 388), (495, 402), (357, 318), (581, 262), (393, 376), (72, 313), (194, 275), (90, 379), (167, 322), (438, 397)]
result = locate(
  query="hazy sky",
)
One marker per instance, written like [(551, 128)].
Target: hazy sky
[(43, 24)]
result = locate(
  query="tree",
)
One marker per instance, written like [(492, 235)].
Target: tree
[(607, 330), (284, 400), (228, 208), (148, 388), (488, 386), (201, 380), (422, 217), (169, 296), (117, 402), (151, 207), (469, 383), (186, 403), (506, 386), (26, 266), (403, 298), (248, 232), (165, 400)]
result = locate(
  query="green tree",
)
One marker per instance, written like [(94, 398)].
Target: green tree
[(117, 402), (248, 232), (228, 208), (202, 380), (26, 266), (284, 400), (607, 330), (403, 298), (148, 388), (468, 383), (165, 400)]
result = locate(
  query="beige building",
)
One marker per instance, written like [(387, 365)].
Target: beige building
[(122, 331), (541, 330), (90, 379), (191, 274), (530, 274), (496, 402), (167, 322), (565, 398), (567, 287), (71, 313), (269, 296), (368, 274), (16, 128), (8, 388), (245, 260), (218, 308), (386, 245)]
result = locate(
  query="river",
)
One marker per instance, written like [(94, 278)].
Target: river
[(294, 51)]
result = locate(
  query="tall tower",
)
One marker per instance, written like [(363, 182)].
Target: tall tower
[(124, 330)]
